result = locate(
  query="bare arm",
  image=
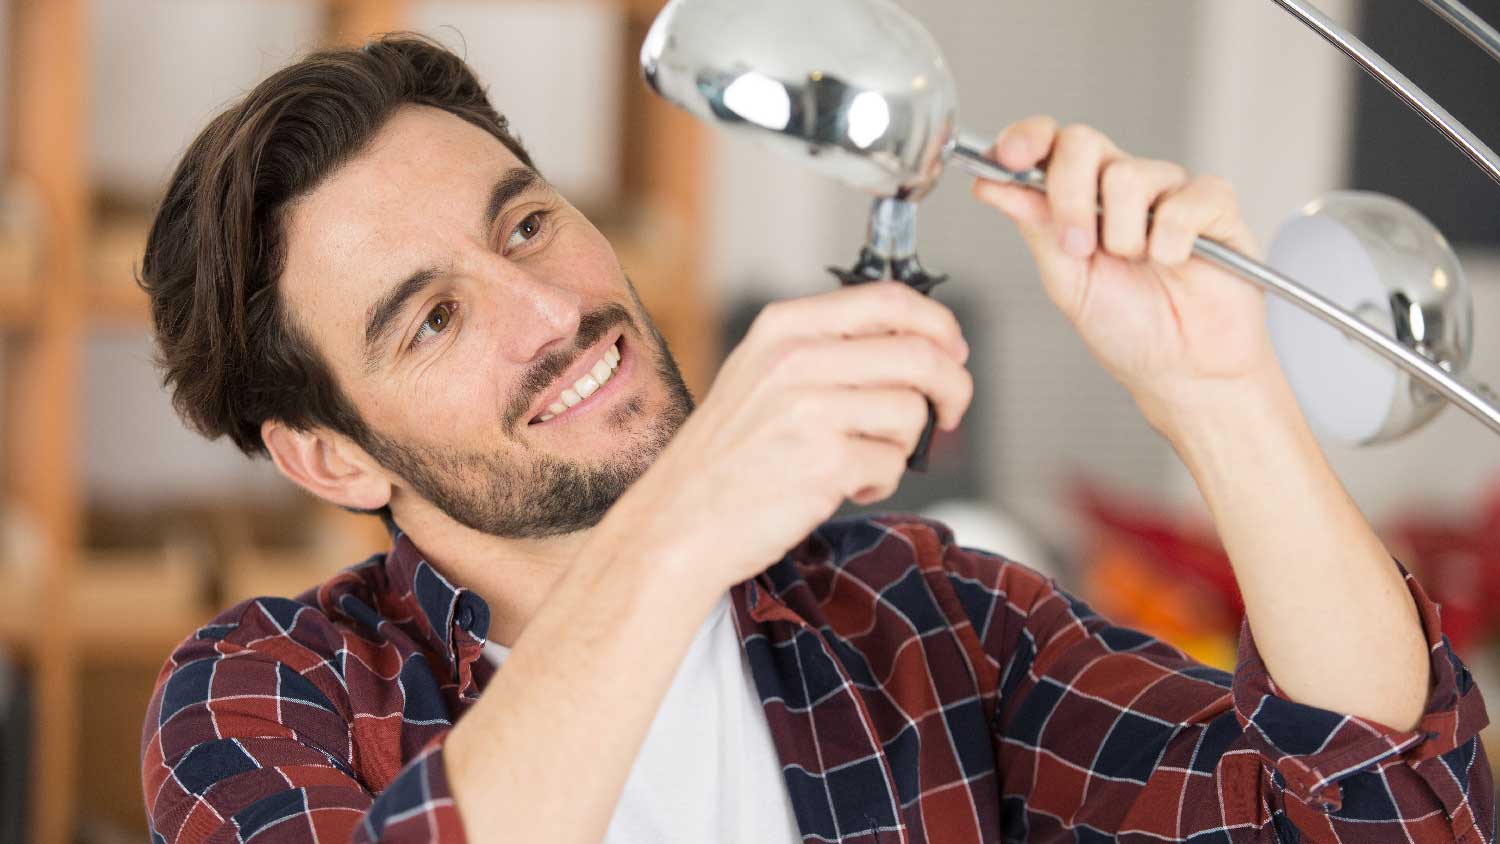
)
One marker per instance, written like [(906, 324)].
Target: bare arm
[(1331, 615), (1335, 624)]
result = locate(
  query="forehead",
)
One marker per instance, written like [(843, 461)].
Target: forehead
[(407, 200)]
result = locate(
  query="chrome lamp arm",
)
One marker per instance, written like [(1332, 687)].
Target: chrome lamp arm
[(1475, 399), (1397, 82)]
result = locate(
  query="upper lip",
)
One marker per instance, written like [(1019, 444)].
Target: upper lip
[(582, 367)]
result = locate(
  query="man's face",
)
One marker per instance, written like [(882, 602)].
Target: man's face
[(460, 301)]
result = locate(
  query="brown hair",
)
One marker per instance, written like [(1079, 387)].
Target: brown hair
[(230, 353)]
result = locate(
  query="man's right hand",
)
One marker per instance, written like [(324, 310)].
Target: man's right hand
[(823, 401)]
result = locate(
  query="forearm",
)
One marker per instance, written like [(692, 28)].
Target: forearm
[(1331, 615), (545, 752)]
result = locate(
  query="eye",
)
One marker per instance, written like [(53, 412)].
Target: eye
[(436, 323), (527, 230)]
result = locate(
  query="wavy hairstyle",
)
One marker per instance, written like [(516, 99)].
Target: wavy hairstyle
[(230, 353)]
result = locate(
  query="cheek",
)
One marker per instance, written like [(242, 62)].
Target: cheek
[(447, 399), (587, 260)]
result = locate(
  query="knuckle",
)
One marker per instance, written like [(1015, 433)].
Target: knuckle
[(911, 404), (789, 360), (1081, 135), (769, 315), (772, 312), (1215, 185), (1126, 176), (1172, 214), (926, 359)]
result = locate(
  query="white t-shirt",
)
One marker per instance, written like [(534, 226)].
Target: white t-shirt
[(707, 770)]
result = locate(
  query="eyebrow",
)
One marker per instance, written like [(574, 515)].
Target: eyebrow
[(511, 184), (383, 314)]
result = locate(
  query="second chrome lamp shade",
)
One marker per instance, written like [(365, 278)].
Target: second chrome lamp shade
[(860, 90)]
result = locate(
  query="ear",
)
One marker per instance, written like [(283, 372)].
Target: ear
[(327, 465)]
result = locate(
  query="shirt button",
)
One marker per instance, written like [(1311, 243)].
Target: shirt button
[(465, 617)]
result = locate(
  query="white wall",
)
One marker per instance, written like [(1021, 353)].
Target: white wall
[(1237, 88)]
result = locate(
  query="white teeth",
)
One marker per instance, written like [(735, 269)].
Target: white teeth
[(586, 386)]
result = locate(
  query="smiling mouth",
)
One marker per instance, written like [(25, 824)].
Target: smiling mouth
[(591, 382)]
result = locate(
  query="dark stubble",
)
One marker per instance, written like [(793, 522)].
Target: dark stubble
[(530, 495)]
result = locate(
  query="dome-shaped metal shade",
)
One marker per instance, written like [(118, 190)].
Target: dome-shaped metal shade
[(857, 85), (1382, 260)]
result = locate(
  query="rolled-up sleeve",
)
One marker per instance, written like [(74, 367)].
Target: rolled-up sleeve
[(1102, 730), (241, 745), (1342, 770)]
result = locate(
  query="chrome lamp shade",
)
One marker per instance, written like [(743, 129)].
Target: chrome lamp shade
[(859, 90)]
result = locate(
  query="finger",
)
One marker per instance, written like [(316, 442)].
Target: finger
[(882, 307), (1128, 189), (1027, 207), (1025, 143), (1078, 156), (907, 362), (873, 469), (1204, 206), (893, 415)]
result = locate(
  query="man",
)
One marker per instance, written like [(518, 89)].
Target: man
[(607, 615)]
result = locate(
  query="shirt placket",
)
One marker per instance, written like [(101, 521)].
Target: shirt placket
[(767, 609)]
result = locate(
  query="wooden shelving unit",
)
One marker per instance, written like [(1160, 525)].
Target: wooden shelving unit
[(72, 273)]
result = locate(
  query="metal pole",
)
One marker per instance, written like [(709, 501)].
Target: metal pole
[(1476, 399), (1397, 82), (1469, 24)]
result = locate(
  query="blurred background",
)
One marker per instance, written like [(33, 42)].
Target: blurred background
[(120, 531)]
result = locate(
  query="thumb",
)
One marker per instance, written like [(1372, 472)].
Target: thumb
[(1032, 215)]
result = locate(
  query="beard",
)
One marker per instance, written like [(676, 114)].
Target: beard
[(532, 496)]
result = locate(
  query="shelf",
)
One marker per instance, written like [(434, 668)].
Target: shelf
[(78, 610), (16, 302), (114, 299), (20, 255), (16, 613)]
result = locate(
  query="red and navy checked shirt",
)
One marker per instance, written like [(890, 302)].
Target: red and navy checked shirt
[(916, 692)]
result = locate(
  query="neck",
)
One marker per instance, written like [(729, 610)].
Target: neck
[(513, 576)]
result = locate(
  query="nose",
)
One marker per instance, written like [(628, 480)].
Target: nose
[(533, 313)]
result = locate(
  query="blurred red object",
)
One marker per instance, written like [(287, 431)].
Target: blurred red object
[(1457, 559), (1181, 549), (1159, 573)]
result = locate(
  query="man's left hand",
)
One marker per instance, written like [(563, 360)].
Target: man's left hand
[(1174, 329)]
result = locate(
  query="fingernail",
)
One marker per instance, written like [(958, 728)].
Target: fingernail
[(1077, 242)]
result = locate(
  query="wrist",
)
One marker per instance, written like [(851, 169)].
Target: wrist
[(1199, 414), (670, 568), (1230, 432)]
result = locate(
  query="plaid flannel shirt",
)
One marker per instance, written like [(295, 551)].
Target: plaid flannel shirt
[(916, 692)]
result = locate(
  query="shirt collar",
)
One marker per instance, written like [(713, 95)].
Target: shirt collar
[(451, 620), (454, 621)]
